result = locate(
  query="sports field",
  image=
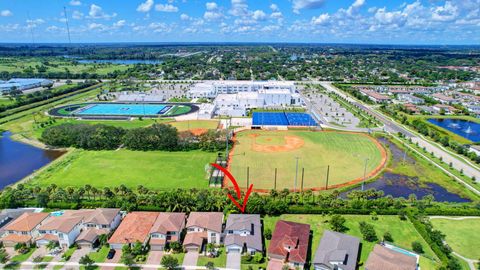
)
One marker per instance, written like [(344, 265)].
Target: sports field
[(154, 169), (461, 234), (195, 126), (261, 152)]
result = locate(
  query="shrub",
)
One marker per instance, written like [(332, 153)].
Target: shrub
[(417, 247), (387, 237), (268, 234), (368, 232)]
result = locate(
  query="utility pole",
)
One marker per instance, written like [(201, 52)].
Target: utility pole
[(303, 173), (296, 174), (68, 27), (275, 180), (364, 174), (328, 174), (248, 176)]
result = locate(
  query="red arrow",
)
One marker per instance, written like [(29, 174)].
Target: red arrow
[(237, 189)]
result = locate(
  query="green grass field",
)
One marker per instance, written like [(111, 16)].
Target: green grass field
[(154, 169), (461, 235), (344, 152), (403, 233)]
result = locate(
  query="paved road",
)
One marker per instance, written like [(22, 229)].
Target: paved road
[(392, 127)]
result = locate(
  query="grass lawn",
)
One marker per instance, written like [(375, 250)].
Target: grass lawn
[(152, 169), (263, 151), (99, 256), (194, 124), (220, 261), (69, 252), (15, 261), (461, 235), (178, 256), (403, 232)]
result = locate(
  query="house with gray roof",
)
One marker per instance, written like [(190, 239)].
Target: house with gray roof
[(243, 233), (336, 251)]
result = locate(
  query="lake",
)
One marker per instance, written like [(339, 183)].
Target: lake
[(18, 160), (467, 129), (119, 61)]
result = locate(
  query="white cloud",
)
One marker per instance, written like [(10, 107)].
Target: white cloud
[(96, 12), (6, 13), (274, 7), (159, 27), (53, 29), (276, 15), (166, 8), (322, 19), (94, 26), (259, 15), (9, 27), (212, 15), (75, 3), (239, 8), (353, 9), (77, 15), (389, 17), (184, 17), (446, 13), (145, 6), (120, 23), (211, 6), (306, 4)]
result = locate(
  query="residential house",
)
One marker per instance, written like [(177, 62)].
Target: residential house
[(9, 215), (203, 227), (375, 97), (382, 258), (23, 229), (96, 223), (135, 227), (167, 228), (336, 251), (63, 229), (289, 243), (442, 108), (243, 233), (444, 99), (410, 99)]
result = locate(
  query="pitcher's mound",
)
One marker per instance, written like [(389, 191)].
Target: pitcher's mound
[(290, 143)]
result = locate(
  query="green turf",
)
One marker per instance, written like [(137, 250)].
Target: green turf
[(344, 152), (100, 255), (220, 261), (153, 169), (461, 235), (186, 125), (403, 232), (177, 110)]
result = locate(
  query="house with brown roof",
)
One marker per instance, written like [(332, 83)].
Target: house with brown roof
[(167, 228), (134, 227), (23, 229), (289, 243), (203, 227), (384, 258)]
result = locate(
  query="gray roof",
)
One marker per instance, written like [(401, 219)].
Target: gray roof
[(242, 222), (337, 247)]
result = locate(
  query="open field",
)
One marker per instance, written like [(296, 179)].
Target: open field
[(263, 151), (461, 234), (403, 233), (155, 169)]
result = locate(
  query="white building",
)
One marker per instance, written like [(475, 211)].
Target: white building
[(213, 88), (24, 84)]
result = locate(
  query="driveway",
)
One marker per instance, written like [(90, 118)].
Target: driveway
[(154, 257), (233, 260), (39, 252), (274, 264), (190, 258), (79, 253), (116, 258)]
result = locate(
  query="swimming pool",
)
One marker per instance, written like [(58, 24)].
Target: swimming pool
[(123, 109), (57, 213)]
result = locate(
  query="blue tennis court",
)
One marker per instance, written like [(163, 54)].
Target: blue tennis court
[(124, 109), (282, 119)]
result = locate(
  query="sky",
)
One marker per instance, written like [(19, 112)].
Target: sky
[(305, 21)]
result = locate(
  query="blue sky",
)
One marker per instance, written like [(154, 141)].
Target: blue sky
[(324, 21)]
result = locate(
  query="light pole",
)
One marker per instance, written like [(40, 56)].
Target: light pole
[(364, 173), (296, 174)]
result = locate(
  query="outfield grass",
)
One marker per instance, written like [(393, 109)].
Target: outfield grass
[(461, 235), (152, 169), (344, 152), (195, 124), (403, 233)]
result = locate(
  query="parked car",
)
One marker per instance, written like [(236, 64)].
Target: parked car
[(110, 254)]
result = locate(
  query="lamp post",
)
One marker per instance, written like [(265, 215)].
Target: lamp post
[(296, 174), (364, 174)]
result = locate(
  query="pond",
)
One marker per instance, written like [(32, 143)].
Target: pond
[(120, 61), (18, 160), (398, 185), (467, 129)]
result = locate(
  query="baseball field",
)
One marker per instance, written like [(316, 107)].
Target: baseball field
[(268, 159)]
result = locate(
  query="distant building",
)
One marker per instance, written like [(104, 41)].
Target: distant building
[(213, 88), (375, 97), (408, 98), (439, 108), (444, 99), (24, 84)]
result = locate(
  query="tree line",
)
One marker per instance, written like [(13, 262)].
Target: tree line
[(156, 137)]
